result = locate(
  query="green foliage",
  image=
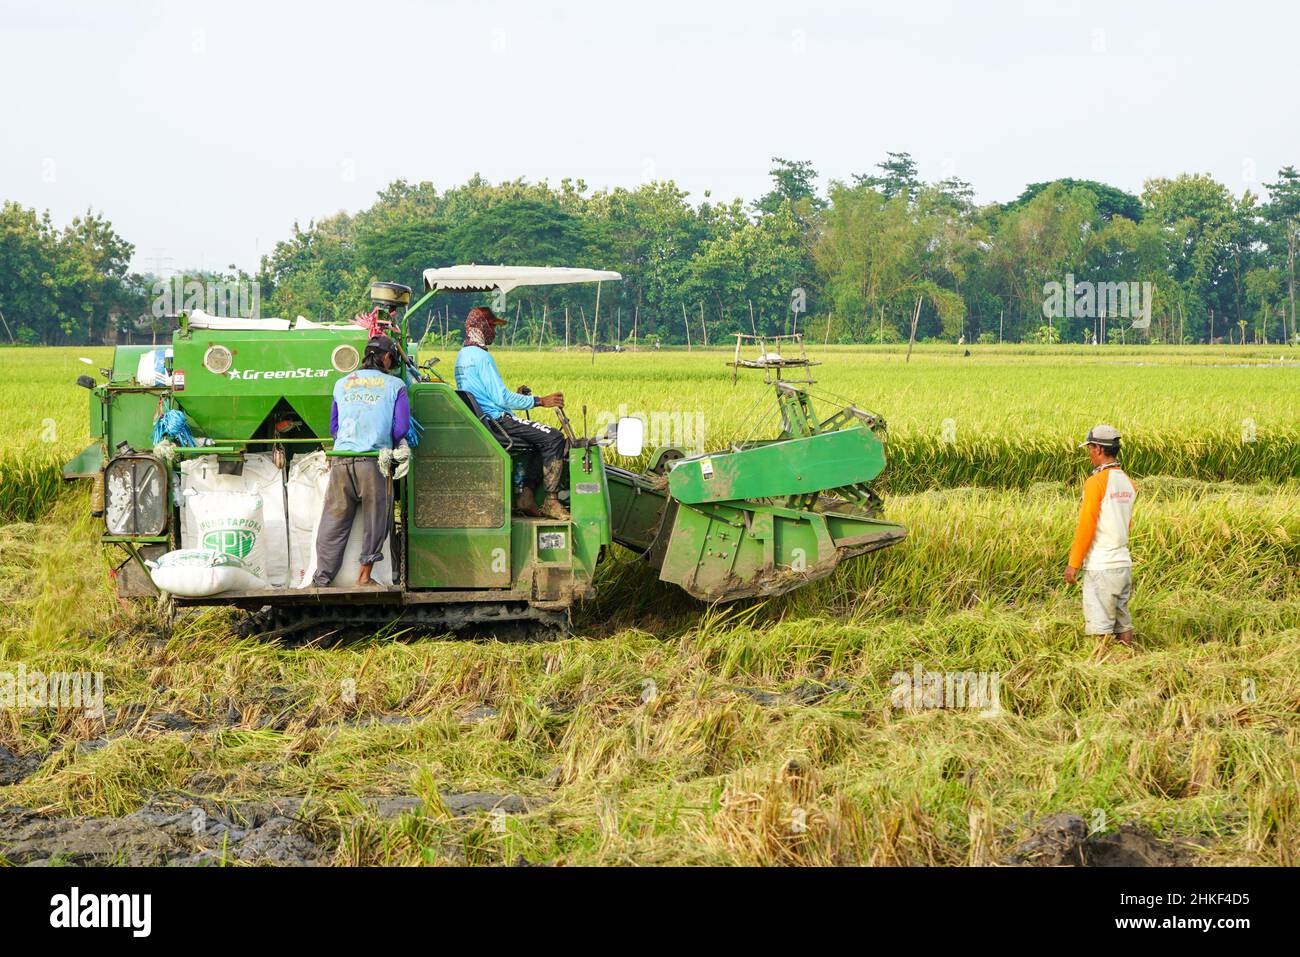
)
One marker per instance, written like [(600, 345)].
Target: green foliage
[(861, 252), (63, 285), (1109, 201)]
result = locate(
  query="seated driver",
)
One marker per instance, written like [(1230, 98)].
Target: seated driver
[(476, 373)]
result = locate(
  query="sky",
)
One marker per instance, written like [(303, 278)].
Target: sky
[(204, 131)]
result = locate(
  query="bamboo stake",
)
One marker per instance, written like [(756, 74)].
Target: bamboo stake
[(595, 324), (916, 315), (688, 328)]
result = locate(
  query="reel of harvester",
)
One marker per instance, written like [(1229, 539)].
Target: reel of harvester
[(769, 356)]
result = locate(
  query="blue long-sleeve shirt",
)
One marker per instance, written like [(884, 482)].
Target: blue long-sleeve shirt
[(476, 373)]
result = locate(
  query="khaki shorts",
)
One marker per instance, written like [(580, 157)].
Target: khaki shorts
[(1106, 593)]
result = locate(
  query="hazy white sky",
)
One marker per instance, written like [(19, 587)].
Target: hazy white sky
[(204, 130)]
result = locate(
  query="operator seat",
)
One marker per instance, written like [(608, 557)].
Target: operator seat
[(493, 426)]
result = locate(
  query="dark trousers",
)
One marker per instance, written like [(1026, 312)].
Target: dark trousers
[(546, 444), (354, 483)]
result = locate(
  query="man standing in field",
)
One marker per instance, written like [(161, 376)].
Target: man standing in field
[(476, 373), (370, 412), (1100, 546)]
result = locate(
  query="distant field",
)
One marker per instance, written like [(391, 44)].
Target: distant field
[(666, 731), (1004, 416)]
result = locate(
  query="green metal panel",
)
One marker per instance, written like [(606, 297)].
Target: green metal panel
[(126, 361), (457, 497), (266, 366), (738, 550), (92, 459), (88, 463), (637, 504), (589, 505), (798, 466), (130, 415)]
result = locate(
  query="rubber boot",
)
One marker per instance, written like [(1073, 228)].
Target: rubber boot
[(526, 503), (553, 508)]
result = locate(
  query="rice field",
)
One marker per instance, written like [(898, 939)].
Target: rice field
[(668, 732)]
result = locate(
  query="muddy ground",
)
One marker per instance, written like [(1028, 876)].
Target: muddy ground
[(277, 831), (291, 830), (1065, 840)]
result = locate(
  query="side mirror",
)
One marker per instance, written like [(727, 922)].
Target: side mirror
[(85, 381), (630, 438)]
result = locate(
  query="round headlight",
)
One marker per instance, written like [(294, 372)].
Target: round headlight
[(345, 358), (218, 360)]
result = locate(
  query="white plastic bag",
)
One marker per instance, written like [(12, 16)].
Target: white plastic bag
[(231, 523), (259, 475), (151, 369), (308, 482), (200, 572)]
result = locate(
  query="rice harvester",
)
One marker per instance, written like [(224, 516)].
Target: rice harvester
[(248, 400)]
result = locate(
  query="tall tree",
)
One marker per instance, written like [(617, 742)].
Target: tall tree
[(1283, 212)]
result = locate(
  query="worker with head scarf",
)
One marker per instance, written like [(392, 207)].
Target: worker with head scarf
[(370, 413), (476, 373)]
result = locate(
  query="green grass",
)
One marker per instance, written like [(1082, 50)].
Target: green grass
[(1164, 735)]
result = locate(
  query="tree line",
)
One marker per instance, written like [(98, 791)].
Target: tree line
[(880, 257)]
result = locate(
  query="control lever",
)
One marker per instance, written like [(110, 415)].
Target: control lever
[(565, 427)]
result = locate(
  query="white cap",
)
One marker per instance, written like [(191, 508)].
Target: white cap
[(1103, 435)]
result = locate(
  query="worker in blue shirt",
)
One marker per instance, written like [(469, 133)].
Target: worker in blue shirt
[(476, 373), (370, 412)]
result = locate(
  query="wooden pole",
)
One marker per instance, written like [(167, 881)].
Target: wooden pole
[(595, 324), (566, 328), (688, 328), (916, 315), (636, 315), (1000, 313), (702, 324), (752, 327)]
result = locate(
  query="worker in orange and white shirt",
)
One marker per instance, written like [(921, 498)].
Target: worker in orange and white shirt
[(1100, 546)]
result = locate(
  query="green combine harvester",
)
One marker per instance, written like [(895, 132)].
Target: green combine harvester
[(759, 518)]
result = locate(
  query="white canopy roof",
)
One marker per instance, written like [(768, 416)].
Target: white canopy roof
[(201, 320), (475, 278)]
